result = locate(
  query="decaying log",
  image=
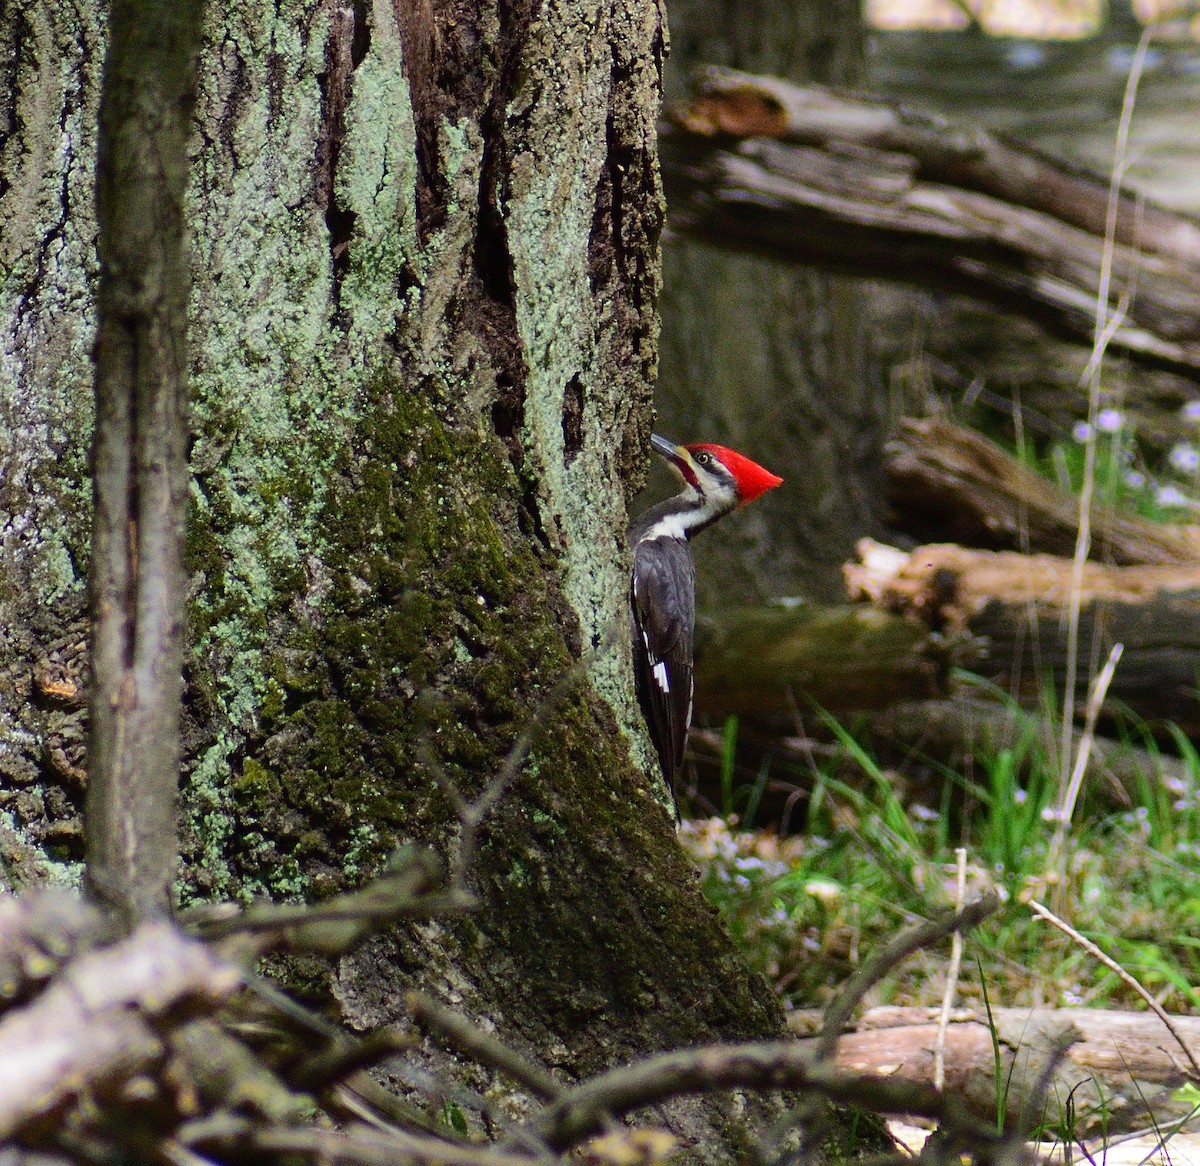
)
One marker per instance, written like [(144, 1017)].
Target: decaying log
[(949, 586), (804, 174), (741, 105), (1014, 607), (1122, 1064), (773, 659), (947, 483)]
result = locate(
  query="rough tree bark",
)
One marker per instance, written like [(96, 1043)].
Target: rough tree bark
[(424, 341)]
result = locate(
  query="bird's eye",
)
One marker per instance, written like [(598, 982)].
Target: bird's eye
[(703, 458)]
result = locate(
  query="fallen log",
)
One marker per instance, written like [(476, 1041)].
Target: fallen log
[(947, 483), (1013, 608), (1121, 1068), (768, 659), (732, 104), (807, 175)]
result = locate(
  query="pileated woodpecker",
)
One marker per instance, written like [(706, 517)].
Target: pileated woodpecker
[(663, 593)]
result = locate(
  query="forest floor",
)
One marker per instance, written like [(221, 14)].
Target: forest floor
[(871, 854)]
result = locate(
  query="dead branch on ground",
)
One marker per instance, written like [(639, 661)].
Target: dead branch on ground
[(803, 174)]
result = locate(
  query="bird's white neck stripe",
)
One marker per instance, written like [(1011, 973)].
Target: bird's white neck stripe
[(695, 513), (674, 525)]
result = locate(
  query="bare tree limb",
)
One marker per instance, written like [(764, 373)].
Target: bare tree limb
[(787, 1065), (92, 1026), (471, 1040), (356, 1146), (412, 887)]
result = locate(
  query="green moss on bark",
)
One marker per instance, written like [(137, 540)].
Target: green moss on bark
[(435, 636)]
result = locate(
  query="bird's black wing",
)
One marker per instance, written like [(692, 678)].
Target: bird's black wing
[(664, 617)]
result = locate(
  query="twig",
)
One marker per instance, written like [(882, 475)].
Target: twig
[(1070, 793), (1113, 966), (468, 1038), (358, 1145), (956, 948), (763, 1065), (411, 887), (1105, 326), (347, 1057), (838, 1014)]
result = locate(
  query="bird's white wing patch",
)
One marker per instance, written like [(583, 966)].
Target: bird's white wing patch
[(660, 676)]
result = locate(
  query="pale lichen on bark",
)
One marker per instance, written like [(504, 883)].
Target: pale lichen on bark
[(49, 63), (50, 57), (582, 386)]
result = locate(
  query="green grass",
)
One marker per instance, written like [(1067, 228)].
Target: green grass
[(866, 862)]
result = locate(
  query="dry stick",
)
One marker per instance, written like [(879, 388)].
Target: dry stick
[(1070, 794), (786, 1065), (838, 1014), (1113, 966), (411, 889), (325, 1069), (956, 949), (357, 1146), (468, 1038), (1105, 327)]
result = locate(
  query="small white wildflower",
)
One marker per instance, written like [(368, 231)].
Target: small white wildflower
[(1184, 457), (825, 891), (1191, 411), (1082, 431), (1109, 420), (1134, 479), (1019, 796), (1171, 496), (1071, 997)]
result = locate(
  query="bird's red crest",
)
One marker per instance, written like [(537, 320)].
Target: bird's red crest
[(752, 480)]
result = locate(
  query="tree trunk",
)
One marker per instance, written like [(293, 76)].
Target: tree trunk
[(770, 359), (424, 337)]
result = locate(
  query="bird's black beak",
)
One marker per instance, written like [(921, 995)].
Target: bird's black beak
[(668, 449)]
